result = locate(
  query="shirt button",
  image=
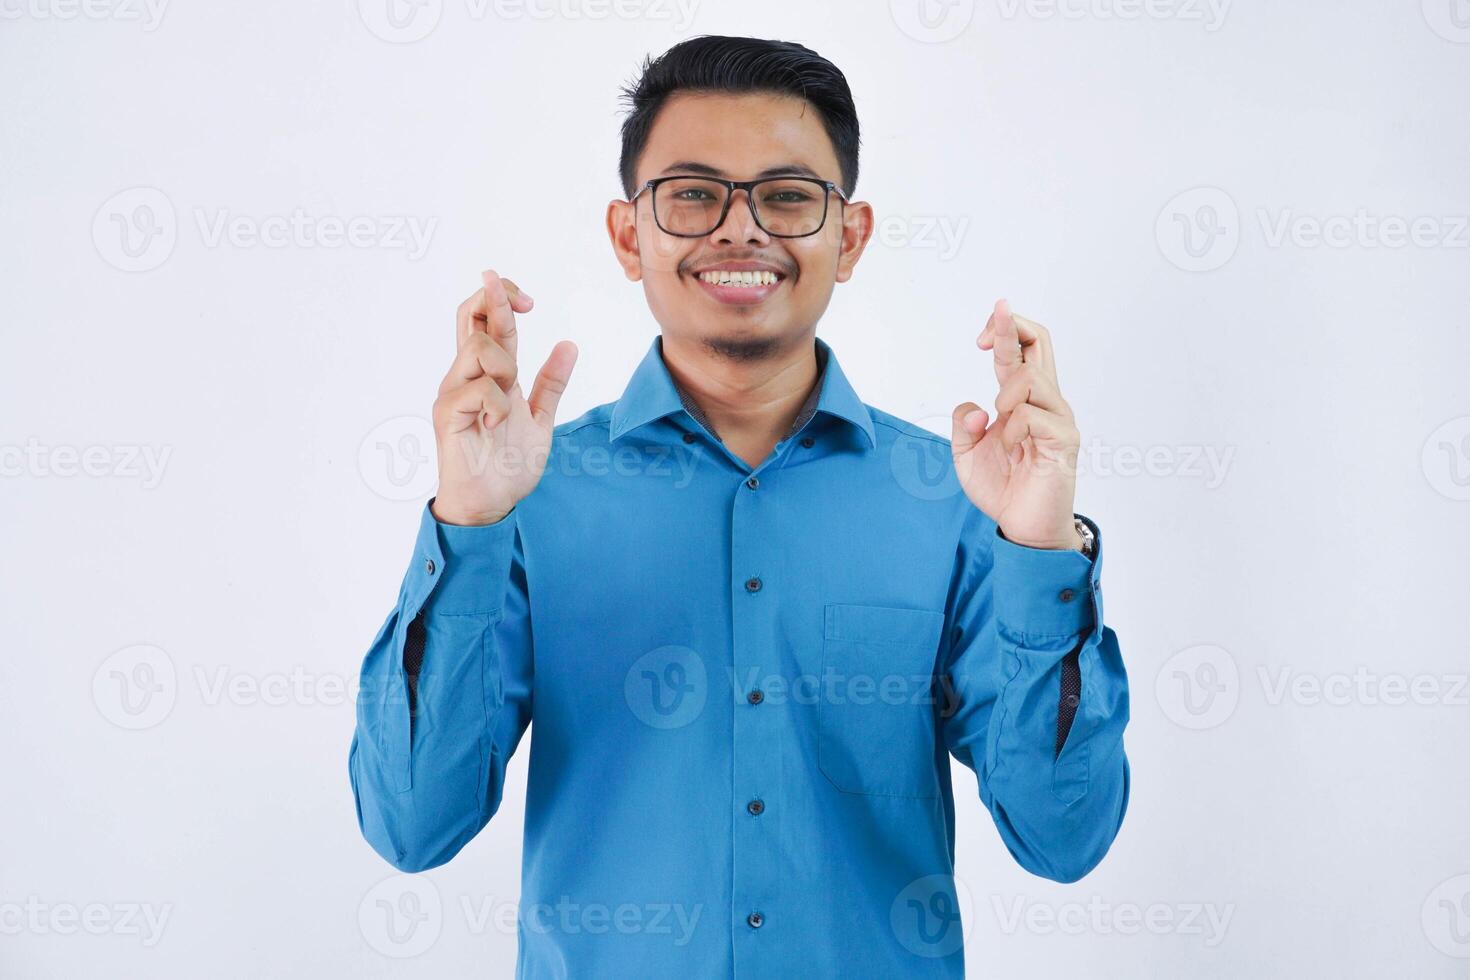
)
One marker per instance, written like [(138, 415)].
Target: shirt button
[(752, 585), (807, 441), (753, 482), (756, 696), (755, 920), (1070, 700), (690, 437), (429, 565), (756, 808), (1066, 595)]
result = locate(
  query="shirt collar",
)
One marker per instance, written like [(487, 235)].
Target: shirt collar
[(652, 394)]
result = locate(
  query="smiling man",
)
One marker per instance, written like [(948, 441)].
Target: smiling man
[(750, 616)]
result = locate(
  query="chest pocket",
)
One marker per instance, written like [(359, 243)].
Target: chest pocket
[(875, 708)]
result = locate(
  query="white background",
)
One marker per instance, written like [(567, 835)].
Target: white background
[(1316, 828)]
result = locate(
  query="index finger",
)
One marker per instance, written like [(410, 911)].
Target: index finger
[(1036, 340)]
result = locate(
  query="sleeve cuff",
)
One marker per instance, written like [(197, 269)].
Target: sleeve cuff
[(460, 571), (1045, 592)]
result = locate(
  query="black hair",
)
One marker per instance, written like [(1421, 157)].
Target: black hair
[(713, 63)]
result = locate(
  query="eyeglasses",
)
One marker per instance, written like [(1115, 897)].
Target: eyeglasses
[(783, 207)]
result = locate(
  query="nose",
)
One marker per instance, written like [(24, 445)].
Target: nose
[(739, 224)]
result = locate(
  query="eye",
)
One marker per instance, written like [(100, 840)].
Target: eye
[(790, 193)]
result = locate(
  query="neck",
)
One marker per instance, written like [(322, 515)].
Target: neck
[(750, 398)]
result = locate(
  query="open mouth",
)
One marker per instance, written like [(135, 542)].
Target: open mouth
[(739, 287), (722, 277)]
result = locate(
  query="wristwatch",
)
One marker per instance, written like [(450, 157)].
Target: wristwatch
[(1089, 540)]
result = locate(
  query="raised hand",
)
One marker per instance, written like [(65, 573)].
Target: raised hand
[(1021, 469), (493, 442)]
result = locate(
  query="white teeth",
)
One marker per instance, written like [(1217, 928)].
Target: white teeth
[(725, 277)]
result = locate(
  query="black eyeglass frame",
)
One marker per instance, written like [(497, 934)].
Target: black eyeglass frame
[(731, 187)]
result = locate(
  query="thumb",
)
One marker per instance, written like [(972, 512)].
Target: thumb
[(965, 436), (547, 390)]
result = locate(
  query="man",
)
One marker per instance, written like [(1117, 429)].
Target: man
[(750, 620)]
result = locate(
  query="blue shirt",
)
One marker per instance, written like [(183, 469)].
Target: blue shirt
[(746, 685)]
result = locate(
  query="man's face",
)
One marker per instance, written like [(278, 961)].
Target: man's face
[(739, 137)]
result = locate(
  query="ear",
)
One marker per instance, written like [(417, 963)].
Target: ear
[(622, 230), (857, 228)]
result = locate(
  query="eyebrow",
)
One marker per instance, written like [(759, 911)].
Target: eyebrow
[(784, 170)]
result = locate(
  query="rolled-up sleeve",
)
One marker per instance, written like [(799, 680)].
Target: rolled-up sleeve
[(1039, 698), (444, 695)]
